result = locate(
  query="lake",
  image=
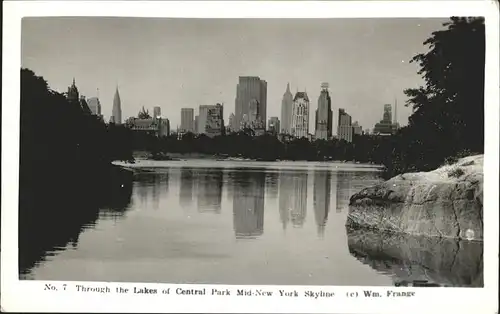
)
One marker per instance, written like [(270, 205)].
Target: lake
[(225, 222)]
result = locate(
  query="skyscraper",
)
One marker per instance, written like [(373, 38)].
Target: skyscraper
[(95, 106), (202, 119), (214, 120), (232, 124), (196, 125), (286, 111), (324, 114), (187, 119), (117, 108), (73, 95), (156, 112), (386, 125), (250, 89), (300, 115), (344, 129)]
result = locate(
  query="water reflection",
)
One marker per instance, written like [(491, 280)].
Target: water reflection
[(210, 183), (272, 178), (344, 189), (186, 187), (149, 186), (421, 261), (293, 197), (321, 199), (149, 245), (53, 222), (248, 203)]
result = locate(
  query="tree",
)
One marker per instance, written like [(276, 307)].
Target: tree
[(449, 109)]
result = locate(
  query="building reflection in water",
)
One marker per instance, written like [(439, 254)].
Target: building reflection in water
[(272, 184), (149, 186), (321, 199), (293, 197), (210, 183), (343, 190), (248, 203), (188, 178)]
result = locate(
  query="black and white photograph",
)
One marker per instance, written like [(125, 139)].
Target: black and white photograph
[(252, 151)]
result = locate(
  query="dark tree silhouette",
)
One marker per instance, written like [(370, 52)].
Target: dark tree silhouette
[(65, 157), (449, 109)]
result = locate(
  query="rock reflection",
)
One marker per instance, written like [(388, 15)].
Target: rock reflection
[(248, 203), (49, 222), (321, 199), (419, 261), (210, 183), (293, 197)]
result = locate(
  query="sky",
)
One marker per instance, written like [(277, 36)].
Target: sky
[(179, 63)]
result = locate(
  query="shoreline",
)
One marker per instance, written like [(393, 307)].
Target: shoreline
[(179, 157), (248, 164)]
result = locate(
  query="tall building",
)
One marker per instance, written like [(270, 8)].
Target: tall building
[(74, 97), (95, 106), (232, 125), (324, 114), (344, 130), (117, 108), (386, 125), (214, 120), (274, 125), (254, 120), (356, 128), (202, 119), (187, 119), (196, 125), (250, 90), (286, 111), (156, 112), (300, 115)]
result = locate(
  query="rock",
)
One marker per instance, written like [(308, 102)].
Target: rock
[(419, 259), (446, 202)]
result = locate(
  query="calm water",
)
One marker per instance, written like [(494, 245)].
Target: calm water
[(234, 223)]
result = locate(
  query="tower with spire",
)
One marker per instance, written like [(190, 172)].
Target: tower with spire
[(73, 94), (286, 111), (116, 116)]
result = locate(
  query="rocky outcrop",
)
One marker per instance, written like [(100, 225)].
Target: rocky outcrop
[(429, 261), (446, 202)]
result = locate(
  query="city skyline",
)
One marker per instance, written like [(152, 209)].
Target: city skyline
[(365, 61)]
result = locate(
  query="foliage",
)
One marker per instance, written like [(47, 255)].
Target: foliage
[(63, 149), (448, 113)]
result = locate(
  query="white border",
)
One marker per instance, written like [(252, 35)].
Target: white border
[(29, 296)]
